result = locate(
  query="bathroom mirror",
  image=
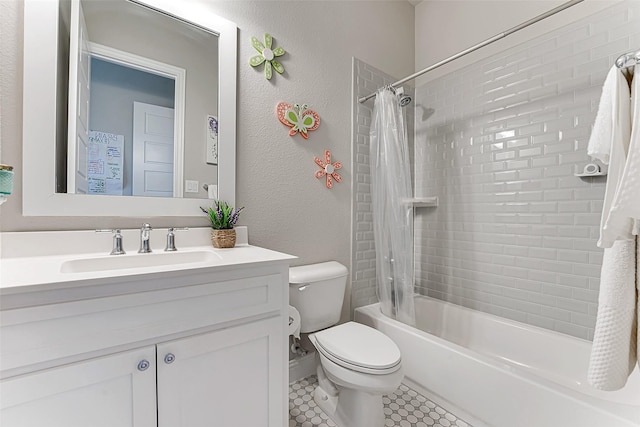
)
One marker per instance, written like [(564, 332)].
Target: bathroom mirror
[(45, 191)]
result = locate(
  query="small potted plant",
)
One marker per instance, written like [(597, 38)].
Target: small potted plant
[(223, 217)]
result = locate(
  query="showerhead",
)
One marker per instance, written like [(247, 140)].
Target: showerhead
[(404, 100)]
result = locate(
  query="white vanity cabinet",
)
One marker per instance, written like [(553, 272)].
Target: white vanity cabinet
[(116, 390), (223, 378), (186, 348)]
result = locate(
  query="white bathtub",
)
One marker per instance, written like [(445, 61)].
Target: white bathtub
[(504, 373)]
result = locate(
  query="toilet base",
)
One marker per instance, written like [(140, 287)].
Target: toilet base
[(351, 408), (325, 401)]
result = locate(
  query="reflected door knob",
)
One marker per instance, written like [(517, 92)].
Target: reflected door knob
[(143, 365), (169, 358)]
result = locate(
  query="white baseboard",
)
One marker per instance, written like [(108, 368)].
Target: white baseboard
[(302, 366)]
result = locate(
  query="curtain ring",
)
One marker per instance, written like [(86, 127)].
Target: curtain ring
[(388, 87)]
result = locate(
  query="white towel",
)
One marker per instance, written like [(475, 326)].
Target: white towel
[(609, 143), (599, 146), (625, 207), (613, 353)]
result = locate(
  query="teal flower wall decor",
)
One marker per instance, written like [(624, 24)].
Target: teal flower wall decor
[(267, 55)]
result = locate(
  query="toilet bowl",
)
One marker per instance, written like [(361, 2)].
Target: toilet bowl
[(357, 364)]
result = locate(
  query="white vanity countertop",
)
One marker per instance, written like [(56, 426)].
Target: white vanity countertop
[(20, 272)]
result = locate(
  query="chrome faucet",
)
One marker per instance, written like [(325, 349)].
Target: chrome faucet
[(145, 234), (171, 238), (117, 241)]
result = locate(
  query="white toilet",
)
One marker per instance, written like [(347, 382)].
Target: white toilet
[(358, 364)]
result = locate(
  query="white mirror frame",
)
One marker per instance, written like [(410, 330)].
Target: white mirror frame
[(39, 197)]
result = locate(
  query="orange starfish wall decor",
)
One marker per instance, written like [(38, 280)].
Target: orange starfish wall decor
[(328, 169)]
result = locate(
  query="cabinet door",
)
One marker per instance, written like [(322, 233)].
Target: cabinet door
[(228, 378), (116, 390)]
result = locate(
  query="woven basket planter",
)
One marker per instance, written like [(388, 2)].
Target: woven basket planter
[(223, 238)]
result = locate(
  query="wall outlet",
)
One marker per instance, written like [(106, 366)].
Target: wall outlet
[(191, 186)]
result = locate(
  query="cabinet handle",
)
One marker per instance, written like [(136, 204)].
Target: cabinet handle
[(143, 365), (169, 358)]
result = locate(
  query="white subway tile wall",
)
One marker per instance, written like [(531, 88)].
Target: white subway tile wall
[(366, 80), (499, 142)]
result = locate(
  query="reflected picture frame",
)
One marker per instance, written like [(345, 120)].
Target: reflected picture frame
[(212, 140)]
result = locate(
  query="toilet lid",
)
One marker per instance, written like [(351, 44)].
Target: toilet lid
[(354, 345)]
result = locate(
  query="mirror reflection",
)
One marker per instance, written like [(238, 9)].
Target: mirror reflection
[(145, 119)]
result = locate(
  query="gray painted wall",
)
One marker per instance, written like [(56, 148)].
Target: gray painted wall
[(287, 208), (444, 28)]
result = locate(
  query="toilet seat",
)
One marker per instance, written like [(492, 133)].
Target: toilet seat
[(359, 348)]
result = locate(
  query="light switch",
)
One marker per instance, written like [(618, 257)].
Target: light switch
[(191, 186), (212, 191)]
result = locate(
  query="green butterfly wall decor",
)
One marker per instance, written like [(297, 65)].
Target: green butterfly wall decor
[(298, 117)]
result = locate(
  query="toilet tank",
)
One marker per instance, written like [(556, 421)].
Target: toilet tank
[(317, 292)]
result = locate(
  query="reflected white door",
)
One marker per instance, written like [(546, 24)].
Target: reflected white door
[(152, 150), (79, 78)]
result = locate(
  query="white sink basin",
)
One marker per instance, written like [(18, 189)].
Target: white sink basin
[(154, 259)]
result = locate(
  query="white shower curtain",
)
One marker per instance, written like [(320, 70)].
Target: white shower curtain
[(392, 212)]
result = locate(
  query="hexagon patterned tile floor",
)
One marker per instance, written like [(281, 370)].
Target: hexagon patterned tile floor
[(404, 408)]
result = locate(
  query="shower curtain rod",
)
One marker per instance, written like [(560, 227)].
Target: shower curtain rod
[(481, 44)]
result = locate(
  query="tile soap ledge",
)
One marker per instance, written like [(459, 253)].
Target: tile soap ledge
[(423, 202), (587, 175)]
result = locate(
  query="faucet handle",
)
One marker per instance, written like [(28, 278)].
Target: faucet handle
[(145, 235), (172, 229), (117, 241), (171, 238)]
